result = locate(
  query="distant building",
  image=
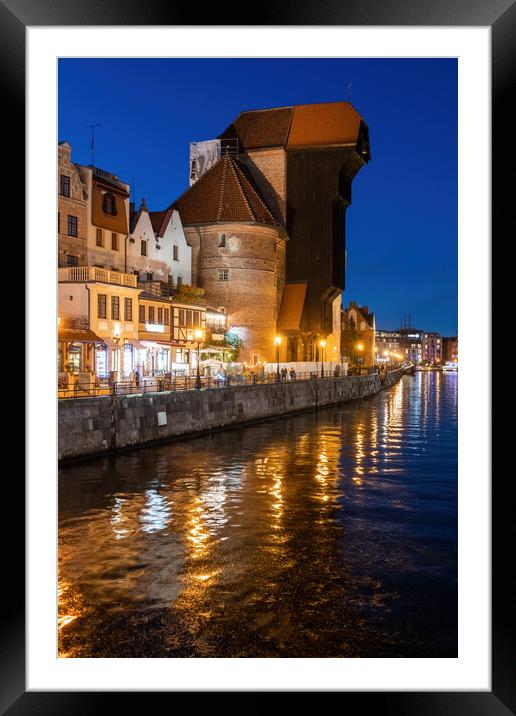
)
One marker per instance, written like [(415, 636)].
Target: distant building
[(450, 349), (432, 348), (388, 344), (412, 344), (358, 335)]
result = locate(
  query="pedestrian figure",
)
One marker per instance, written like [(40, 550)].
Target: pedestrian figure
[(292, 374), (137, 378), (283, 374)]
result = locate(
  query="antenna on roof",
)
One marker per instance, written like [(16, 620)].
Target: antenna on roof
[(133, 190), (350, 85), (92, 127)]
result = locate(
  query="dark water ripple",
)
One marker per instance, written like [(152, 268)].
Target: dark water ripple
[(324, 534)]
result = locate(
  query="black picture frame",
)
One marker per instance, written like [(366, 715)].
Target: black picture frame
[(500, 15)]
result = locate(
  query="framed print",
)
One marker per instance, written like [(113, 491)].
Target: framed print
[(224, 517)]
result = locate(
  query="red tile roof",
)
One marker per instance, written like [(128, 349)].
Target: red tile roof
[(324, 124), (261, 128), (291, 308), (302, 125), (226, 192)]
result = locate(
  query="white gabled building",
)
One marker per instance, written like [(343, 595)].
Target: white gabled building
[(157, 249)]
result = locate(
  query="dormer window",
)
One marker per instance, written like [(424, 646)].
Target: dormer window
[(109, 204)]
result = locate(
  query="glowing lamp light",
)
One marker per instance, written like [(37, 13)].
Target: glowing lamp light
[(198, 334), (360, 347), (322, 344), (277, 340)]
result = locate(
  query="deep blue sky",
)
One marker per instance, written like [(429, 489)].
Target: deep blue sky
[(402, 224)]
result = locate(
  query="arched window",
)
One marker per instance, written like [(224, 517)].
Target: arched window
[(109, 204)]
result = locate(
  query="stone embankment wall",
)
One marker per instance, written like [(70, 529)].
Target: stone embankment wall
[(92, 426)]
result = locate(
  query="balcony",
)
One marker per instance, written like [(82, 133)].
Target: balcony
[(85, 274)]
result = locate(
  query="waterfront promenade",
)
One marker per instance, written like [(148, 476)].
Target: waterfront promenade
[(102, 424)]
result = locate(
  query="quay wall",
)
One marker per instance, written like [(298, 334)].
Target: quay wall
[(93, 426)]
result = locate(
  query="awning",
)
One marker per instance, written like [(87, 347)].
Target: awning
[(292, 304), (82, 335), (138, 344), (110, 343)]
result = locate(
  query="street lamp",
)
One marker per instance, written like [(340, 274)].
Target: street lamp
[(360, 348), (323, 346), (277, 341), (116, 362), (198, 337)]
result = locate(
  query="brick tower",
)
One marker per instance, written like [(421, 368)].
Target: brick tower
[(238, 252), (303, 160)]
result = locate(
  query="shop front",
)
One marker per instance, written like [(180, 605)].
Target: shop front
[(77, 358)]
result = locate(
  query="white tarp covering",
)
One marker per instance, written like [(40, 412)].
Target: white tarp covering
[(203, 155)]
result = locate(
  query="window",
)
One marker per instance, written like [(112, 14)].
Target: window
[(115, 308), (175, 253), (101, 306), (137, 274), (64, 185), (142, 313), (109, 204), (179, 281), (167, 316), (222, 240), (223, 275), (150, 276), (182, 315), (143, 249), (114, 242), (189, 318), (72, 225), (128, 309), (151, 314), (72, 260), (160, 315), (100, 237), (196, 318)]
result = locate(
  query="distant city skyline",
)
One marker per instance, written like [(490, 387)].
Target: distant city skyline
[(402, 223)]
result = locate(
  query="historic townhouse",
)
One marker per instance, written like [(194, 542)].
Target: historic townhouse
[(157, 249), (119, 274), (71, 211)]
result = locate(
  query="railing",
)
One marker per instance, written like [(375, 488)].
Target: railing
[(100, 275), (184, 382)]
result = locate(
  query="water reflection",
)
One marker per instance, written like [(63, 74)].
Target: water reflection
[(324, 534)]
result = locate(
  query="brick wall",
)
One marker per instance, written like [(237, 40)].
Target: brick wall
[(251, 295), (269, 170)]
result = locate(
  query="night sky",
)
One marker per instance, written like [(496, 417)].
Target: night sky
[(402, 224)]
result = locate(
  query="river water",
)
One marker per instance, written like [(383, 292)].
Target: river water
[(332, 533)]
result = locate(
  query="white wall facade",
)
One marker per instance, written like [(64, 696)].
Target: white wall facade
[(160, 261)]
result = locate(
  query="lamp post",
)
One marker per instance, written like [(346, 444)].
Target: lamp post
[(360, 348), (116, 366), (198, 337), (277, 341), (323, 346)]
